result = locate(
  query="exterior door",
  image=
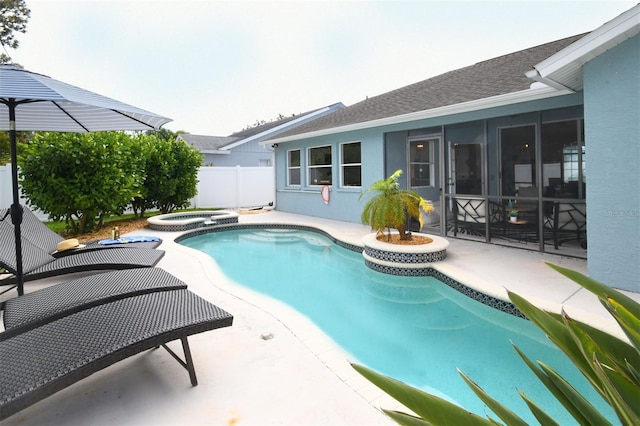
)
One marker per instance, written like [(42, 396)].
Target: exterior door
[(424, 176)]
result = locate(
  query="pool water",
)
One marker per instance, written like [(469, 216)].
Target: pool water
[(415, 329)]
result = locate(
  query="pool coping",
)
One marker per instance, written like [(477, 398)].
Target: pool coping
[(326, 351), (467, 262)]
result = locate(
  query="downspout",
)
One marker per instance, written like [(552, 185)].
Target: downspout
[(272, 148)]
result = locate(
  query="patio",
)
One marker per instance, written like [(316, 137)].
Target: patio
[(297, 377)]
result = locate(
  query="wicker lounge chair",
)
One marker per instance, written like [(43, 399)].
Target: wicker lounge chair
[(42, 360), (41, 236), (63, 299), (37, 263)]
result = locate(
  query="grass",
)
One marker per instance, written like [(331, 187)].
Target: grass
[(126, 223), (60, 227)]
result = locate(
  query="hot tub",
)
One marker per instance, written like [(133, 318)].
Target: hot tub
[(185, 221)]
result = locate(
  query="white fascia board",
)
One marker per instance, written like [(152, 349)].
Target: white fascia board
[(215, 151), (280, 127), (532, 94), (596, 42)]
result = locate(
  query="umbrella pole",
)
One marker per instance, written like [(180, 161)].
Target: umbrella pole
[(16, 208)]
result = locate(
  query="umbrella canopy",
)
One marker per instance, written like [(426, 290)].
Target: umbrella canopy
[(31, 101)]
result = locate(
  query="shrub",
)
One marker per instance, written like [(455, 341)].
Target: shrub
[(80, 178), (391, 206), (171, 174)]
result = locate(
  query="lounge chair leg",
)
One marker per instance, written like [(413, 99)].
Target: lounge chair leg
[(188, 361)]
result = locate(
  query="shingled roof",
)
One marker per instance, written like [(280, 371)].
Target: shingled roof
[(220, 143), (497, 76), (207, 143)]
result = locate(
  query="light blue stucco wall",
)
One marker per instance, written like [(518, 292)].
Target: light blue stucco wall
[(345, 204), (612, 139)]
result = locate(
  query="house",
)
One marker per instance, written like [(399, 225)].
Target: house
[(243, 148), (513, 132)]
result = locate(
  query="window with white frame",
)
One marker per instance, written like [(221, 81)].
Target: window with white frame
[(319, 165), (350, 164), (421, 163), (293, 167)]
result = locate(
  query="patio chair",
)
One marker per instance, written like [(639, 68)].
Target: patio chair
[(37, 263), (42, 236), (471, 214), (39, 360), (568, 222), (56, 301)]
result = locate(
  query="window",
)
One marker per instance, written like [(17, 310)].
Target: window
[(293, 167), (350, 164), (563, 159), (421, 167), (320, 165)]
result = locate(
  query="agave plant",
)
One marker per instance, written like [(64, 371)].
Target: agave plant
[(612, 367), (390, 208)]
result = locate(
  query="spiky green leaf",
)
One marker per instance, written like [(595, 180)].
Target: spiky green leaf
[(599, 289), (628, 321), (542, 416), (508, 416), (588, 414), (555, 326), (626, 407), (429, 407), (405, 419), (578, 406)]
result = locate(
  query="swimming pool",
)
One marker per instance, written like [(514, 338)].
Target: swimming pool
[(415, 329)]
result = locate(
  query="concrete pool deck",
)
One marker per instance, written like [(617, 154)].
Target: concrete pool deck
[(298, 377)]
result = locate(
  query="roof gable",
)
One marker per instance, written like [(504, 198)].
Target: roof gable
[(207, 143), (564, 68), (222, 144)]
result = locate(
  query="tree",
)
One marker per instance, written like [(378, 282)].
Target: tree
[(80, 178), (5, 147), (390, 208), (171, 174), (612, 367), (164, 134), (14, 15)]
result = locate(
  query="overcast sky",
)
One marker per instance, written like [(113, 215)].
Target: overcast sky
[(215, 67)]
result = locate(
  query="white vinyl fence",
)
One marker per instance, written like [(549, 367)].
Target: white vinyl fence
[(235, 187), (218, 187), (6, 192)]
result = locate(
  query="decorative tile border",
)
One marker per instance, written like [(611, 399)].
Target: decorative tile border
[(491, 301), (407, 258)]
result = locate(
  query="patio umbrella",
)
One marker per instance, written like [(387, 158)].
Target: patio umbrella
[(31, 101)]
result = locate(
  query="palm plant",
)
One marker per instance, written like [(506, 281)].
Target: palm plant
[(611, 365), (390, 208)]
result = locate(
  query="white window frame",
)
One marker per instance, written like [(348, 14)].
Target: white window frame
[(431, 163), (290, 168), (311, 167), (343, 164)]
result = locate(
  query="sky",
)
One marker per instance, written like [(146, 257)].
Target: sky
[(216, 67)]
